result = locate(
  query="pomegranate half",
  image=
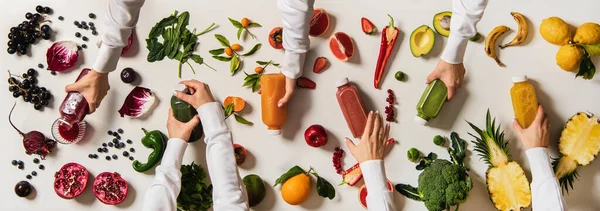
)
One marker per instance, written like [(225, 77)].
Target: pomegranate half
[(319, 22), (110, 188), (342, 46), (71, 180)]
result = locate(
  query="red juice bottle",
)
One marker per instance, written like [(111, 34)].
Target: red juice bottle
[(70, 127)]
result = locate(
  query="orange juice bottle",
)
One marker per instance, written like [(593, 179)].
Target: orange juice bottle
[(272, 90), (524, 101)]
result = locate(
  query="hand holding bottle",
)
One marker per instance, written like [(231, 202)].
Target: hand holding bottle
[(536, 135), (93, 86), (179, 129), (451, 74), (200, 93)]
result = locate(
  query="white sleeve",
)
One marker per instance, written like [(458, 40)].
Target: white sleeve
[(162, 194), (228, 190), (296, 16), (545, 189), (465, 16), (380, 198), (120, 18)]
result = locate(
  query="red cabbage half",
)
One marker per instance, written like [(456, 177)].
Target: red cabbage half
[(138, 102), (62, 55)]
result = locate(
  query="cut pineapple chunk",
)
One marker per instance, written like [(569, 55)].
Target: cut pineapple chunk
[(508, 187), (580, 140)]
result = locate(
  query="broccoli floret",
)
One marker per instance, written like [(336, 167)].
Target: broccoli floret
[(439, 140), (413, 154)]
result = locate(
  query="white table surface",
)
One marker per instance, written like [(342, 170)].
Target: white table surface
[(486, 86)]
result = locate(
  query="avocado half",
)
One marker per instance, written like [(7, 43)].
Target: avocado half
[(441, 23), (421, 41)]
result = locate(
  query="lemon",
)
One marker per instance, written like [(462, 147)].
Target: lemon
[(568, 57), (588, 33), (555, 31)]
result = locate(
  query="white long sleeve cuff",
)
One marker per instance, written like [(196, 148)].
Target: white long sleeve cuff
[(296, 16), (228, 190), (545, 189), (463, 25), (162, 194), (120, 19), (380, 198)]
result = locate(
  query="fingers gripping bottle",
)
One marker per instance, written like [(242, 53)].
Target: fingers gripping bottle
[(272, 90)]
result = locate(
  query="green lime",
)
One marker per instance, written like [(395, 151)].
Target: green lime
[(255, 187), (399, 76)]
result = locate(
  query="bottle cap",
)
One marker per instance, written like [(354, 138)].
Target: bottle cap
[(274, 132), (518, 79), (179, 87), (421, 121), (342, 82)]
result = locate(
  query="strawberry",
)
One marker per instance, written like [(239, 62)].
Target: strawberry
[(306, 83), (352, 175), (367, 26), (320, 64)]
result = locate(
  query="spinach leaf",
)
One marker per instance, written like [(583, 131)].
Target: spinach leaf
[(196, 192), (253, 50), (159, 27), (196, 58), (156, 50), (324, 188), (240, 119), (289, 174)]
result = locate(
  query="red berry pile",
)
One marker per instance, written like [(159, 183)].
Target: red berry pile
[(389, 109), (337, 160)]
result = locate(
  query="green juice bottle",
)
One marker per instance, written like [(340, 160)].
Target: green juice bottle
[(184, 112), (431, 102)]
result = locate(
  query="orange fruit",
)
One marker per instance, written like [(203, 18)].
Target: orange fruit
[(238, 103), (236, 47), (258, 69), (228, 51), (296, 189), (245, 22)]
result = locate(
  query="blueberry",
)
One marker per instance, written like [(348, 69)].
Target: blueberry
[(125, 153), (28, 176), (14, 162), (121, 145), (131, 150), (92, 15), (61, 18), (107, 157), (100, 150), (120, 130), (114, 157), (90, 156), (93, 28), (110, 132), (91, 23), (34, 173), (84, 46), (110, 144), (129, 141), (21, 167), (130, 157), (53, 72), (20, 163), (94, 33), (105, 149), (41, 167), (85, 27), (77, 34), (76, 23), (83, 23), (40, 65), (36, 161), (104, 144), (115, 141)]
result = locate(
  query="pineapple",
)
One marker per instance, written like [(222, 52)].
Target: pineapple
[(579, 144), (506, 181)]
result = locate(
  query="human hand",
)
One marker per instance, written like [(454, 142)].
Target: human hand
[(290, 85), (200, 93), (373, 141), (93, 86), (536, 135), (179, 129), (451, 74)]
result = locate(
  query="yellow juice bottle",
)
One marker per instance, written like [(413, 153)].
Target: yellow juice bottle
[(524, 101)]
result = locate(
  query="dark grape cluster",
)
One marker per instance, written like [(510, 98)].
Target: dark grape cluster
[(389, 109), (27, 32), (28, 89), (337, 160)]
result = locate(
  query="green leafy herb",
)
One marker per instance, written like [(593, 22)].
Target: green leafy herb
[(253, 50), (228, 110), (240, 119), (178, 41), (196, 192), (224, 42), (222, 58), (217, 51), (235, 23), (234, 65), (289, 174), (586, 68)]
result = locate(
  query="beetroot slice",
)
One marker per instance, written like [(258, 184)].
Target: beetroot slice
[(34, 142)]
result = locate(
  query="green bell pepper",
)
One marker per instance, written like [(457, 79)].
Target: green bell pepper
[(155, 140)]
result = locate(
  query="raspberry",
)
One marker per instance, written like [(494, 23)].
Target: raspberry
[(389, 91)]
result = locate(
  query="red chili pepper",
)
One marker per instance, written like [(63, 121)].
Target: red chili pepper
[(388, 40)]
